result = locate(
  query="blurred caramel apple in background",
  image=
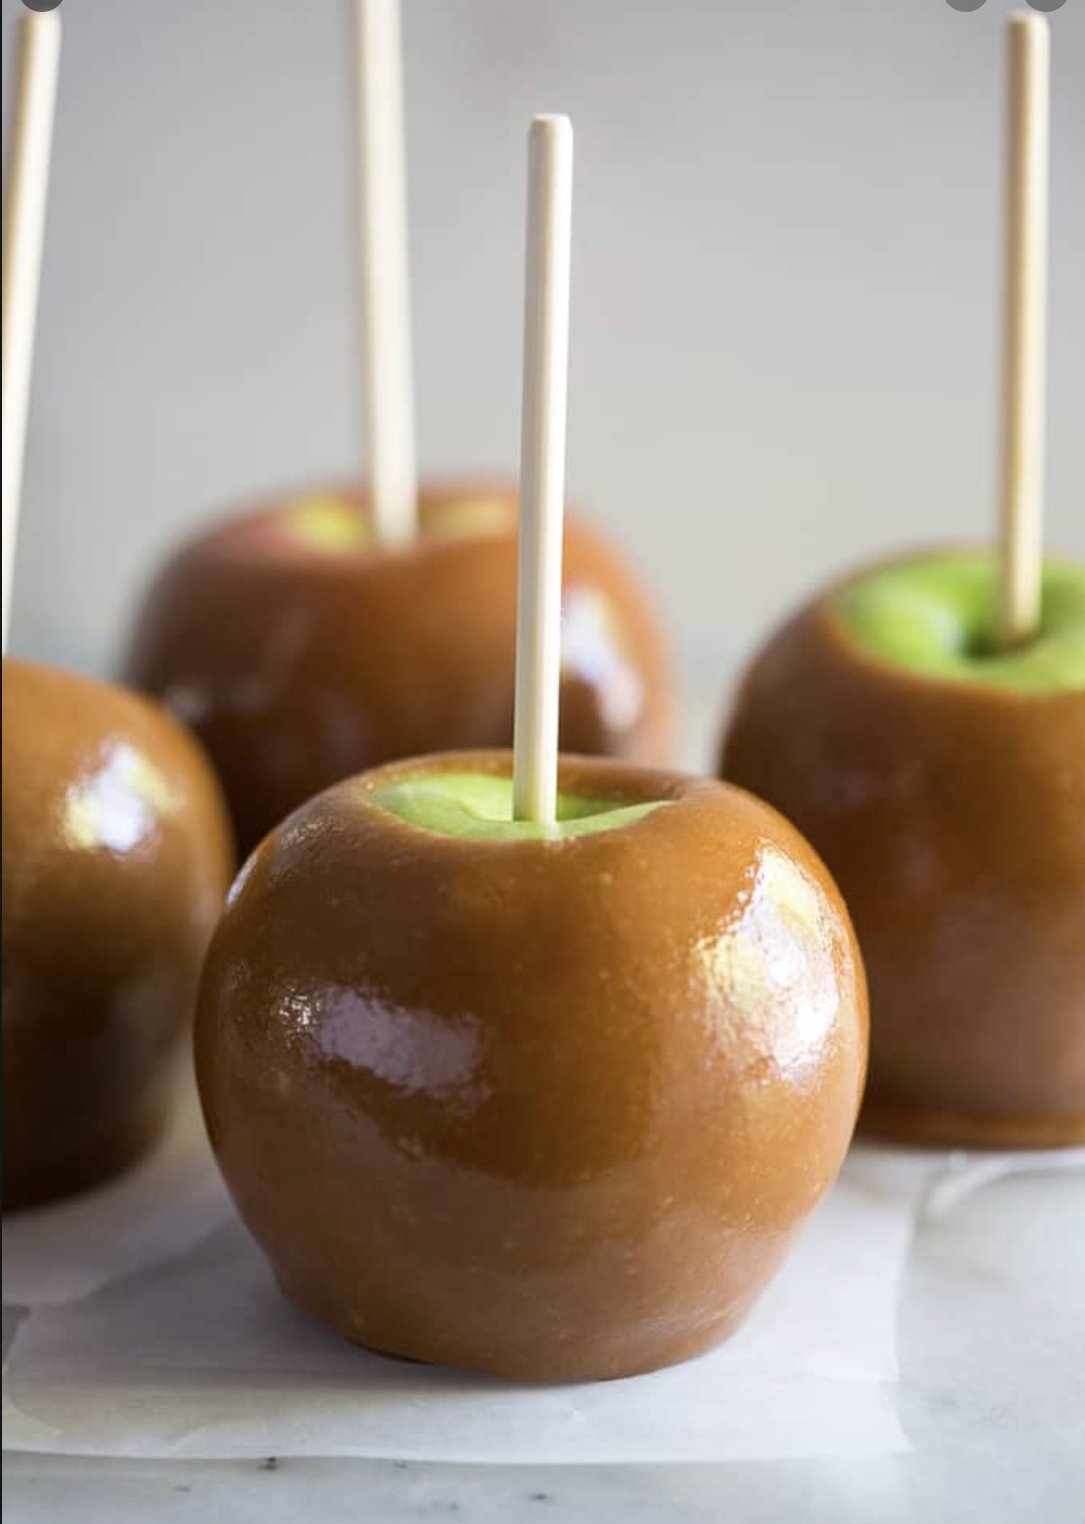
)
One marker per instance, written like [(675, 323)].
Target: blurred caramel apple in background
[(943, 782), (117, 856), (301, 649)]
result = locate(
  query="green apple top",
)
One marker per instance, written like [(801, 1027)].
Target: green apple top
[(338, 525), (479, 805), (934, 614)]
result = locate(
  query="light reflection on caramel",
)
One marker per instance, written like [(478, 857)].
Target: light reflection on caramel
[(591, 649), (117, 806), (410, 1051), (771, 970)]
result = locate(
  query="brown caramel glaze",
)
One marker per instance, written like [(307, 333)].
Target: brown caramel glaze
[(297, 667), (116, 860), (551, 1110), (952, 816)]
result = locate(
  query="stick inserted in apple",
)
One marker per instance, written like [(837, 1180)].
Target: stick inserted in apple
[(526, 1064), (340, 628), (116, 850), (923, 723)]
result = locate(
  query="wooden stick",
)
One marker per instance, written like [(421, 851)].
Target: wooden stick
[(24, 226), (384, 275), (542, 467), (1024, 330)]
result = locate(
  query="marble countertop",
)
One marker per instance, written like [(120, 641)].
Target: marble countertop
[(991, 1396)]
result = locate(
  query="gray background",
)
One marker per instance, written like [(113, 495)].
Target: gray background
[(786, 282)]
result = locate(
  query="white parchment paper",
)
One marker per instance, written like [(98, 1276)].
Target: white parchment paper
[(143, 1322)]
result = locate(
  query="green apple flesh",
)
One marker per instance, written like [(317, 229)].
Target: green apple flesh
[(327, 524), (480, 805), (934, 614), (337, 526)]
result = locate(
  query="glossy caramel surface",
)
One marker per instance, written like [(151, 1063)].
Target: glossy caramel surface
[(952, 816), (298, 665), (117, 856), (548, 1109)]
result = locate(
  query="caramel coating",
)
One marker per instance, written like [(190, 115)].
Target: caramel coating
[(552, 1110), (952, 816), (297, 667), (117, 856)]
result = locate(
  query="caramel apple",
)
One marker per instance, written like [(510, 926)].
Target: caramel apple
[(549, 1102), (526, 1066), (943, 781), (924, 724), (319, 636), (116, 858), (301, 649), (116, 850)]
